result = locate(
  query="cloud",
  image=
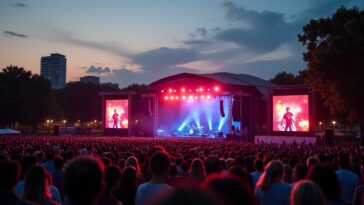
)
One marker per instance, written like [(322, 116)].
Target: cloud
[(258, 31), (197, 42), (20, 5), (98, 70), (163, 58), (200, 32), (11, 33)]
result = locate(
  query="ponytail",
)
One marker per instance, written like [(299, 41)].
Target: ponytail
[(273, 170), (265, 181)]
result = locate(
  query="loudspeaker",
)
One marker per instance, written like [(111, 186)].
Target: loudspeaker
[(329, 137), (236, 109), (222, 112), (56, 130)]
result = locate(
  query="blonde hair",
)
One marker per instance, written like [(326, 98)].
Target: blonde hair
[(273, 171), (306, 192), (133, 161), (197, 171)]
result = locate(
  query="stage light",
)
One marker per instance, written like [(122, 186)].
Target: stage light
[(183, 97), (196, 90), (162, 91), (202, 97), (208, 96), (166, 97), (201, 89), (177, 97), (190, 90), (320, 123), (64, 121), (172, 97), (174, 90), (208, 89), (183, 90), (190, 97), (196, 97), (170, 90), (216, 88)]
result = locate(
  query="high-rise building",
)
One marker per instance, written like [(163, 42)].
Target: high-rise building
[(53, 67), (90, 79)]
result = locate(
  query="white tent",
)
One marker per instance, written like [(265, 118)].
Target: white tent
[(8, 131)]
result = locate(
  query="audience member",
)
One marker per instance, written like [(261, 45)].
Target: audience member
[(84, 181), (128, 185), (327, 180), (36, 186), (347, 179), (159, 164), (112, 179), (306, 192), (9, 175), (271, 190)]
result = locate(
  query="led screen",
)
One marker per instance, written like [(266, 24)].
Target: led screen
[(116, 114), (291, 113)]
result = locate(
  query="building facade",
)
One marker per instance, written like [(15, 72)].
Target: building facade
[(53, 67)]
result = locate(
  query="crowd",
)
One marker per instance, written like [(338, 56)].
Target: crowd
[(84, 170)]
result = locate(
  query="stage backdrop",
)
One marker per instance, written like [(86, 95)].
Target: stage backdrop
[(116, 114)]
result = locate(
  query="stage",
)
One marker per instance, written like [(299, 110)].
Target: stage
[(266, 139)]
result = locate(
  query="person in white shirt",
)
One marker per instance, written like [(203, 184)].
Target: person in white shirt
[(150, 191)]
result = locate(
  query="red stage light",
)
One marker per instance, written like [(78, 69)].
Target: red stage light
[(190, 90), (208, 96), (170, 90), (202, 97), (190, 97), (172, 97), (174, 90), (201, 89), (183, 90), (196, 97), (183, 97), (166, 97), (196, 90), (162, 91), (208, 89), (216, 88)]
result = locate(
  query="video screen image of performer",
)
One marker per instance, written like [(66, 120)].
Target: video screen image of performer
[(290, 113), (116, 114), (287, 121)]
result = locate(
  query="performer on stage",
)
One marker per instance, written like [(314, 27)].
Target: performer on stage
[(115, 118), (287, 121)]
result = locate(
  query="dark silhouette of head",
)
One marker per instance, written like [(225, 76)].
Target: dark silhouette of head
[(129, 176), (212, 165), (9, 175), (112, 178), (160, 164), (36, 185), (189, 196), (84, 180), (58, 163), (229, 190), (344, 162), (258, 164), (325, 177)]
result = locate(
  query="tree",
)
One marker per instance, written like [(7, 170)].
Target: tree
[(25, 98), (284, 78), (81, 101), (335, 61)]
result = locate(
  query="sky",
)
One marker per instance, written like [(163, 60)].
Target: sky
[(141, 41)]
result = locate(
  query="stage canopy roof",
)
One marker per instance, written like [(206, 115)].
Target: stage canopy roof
[(227, 79)]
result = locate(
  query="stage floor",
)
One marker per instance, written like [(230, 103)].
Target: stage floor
[(283, 139)]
